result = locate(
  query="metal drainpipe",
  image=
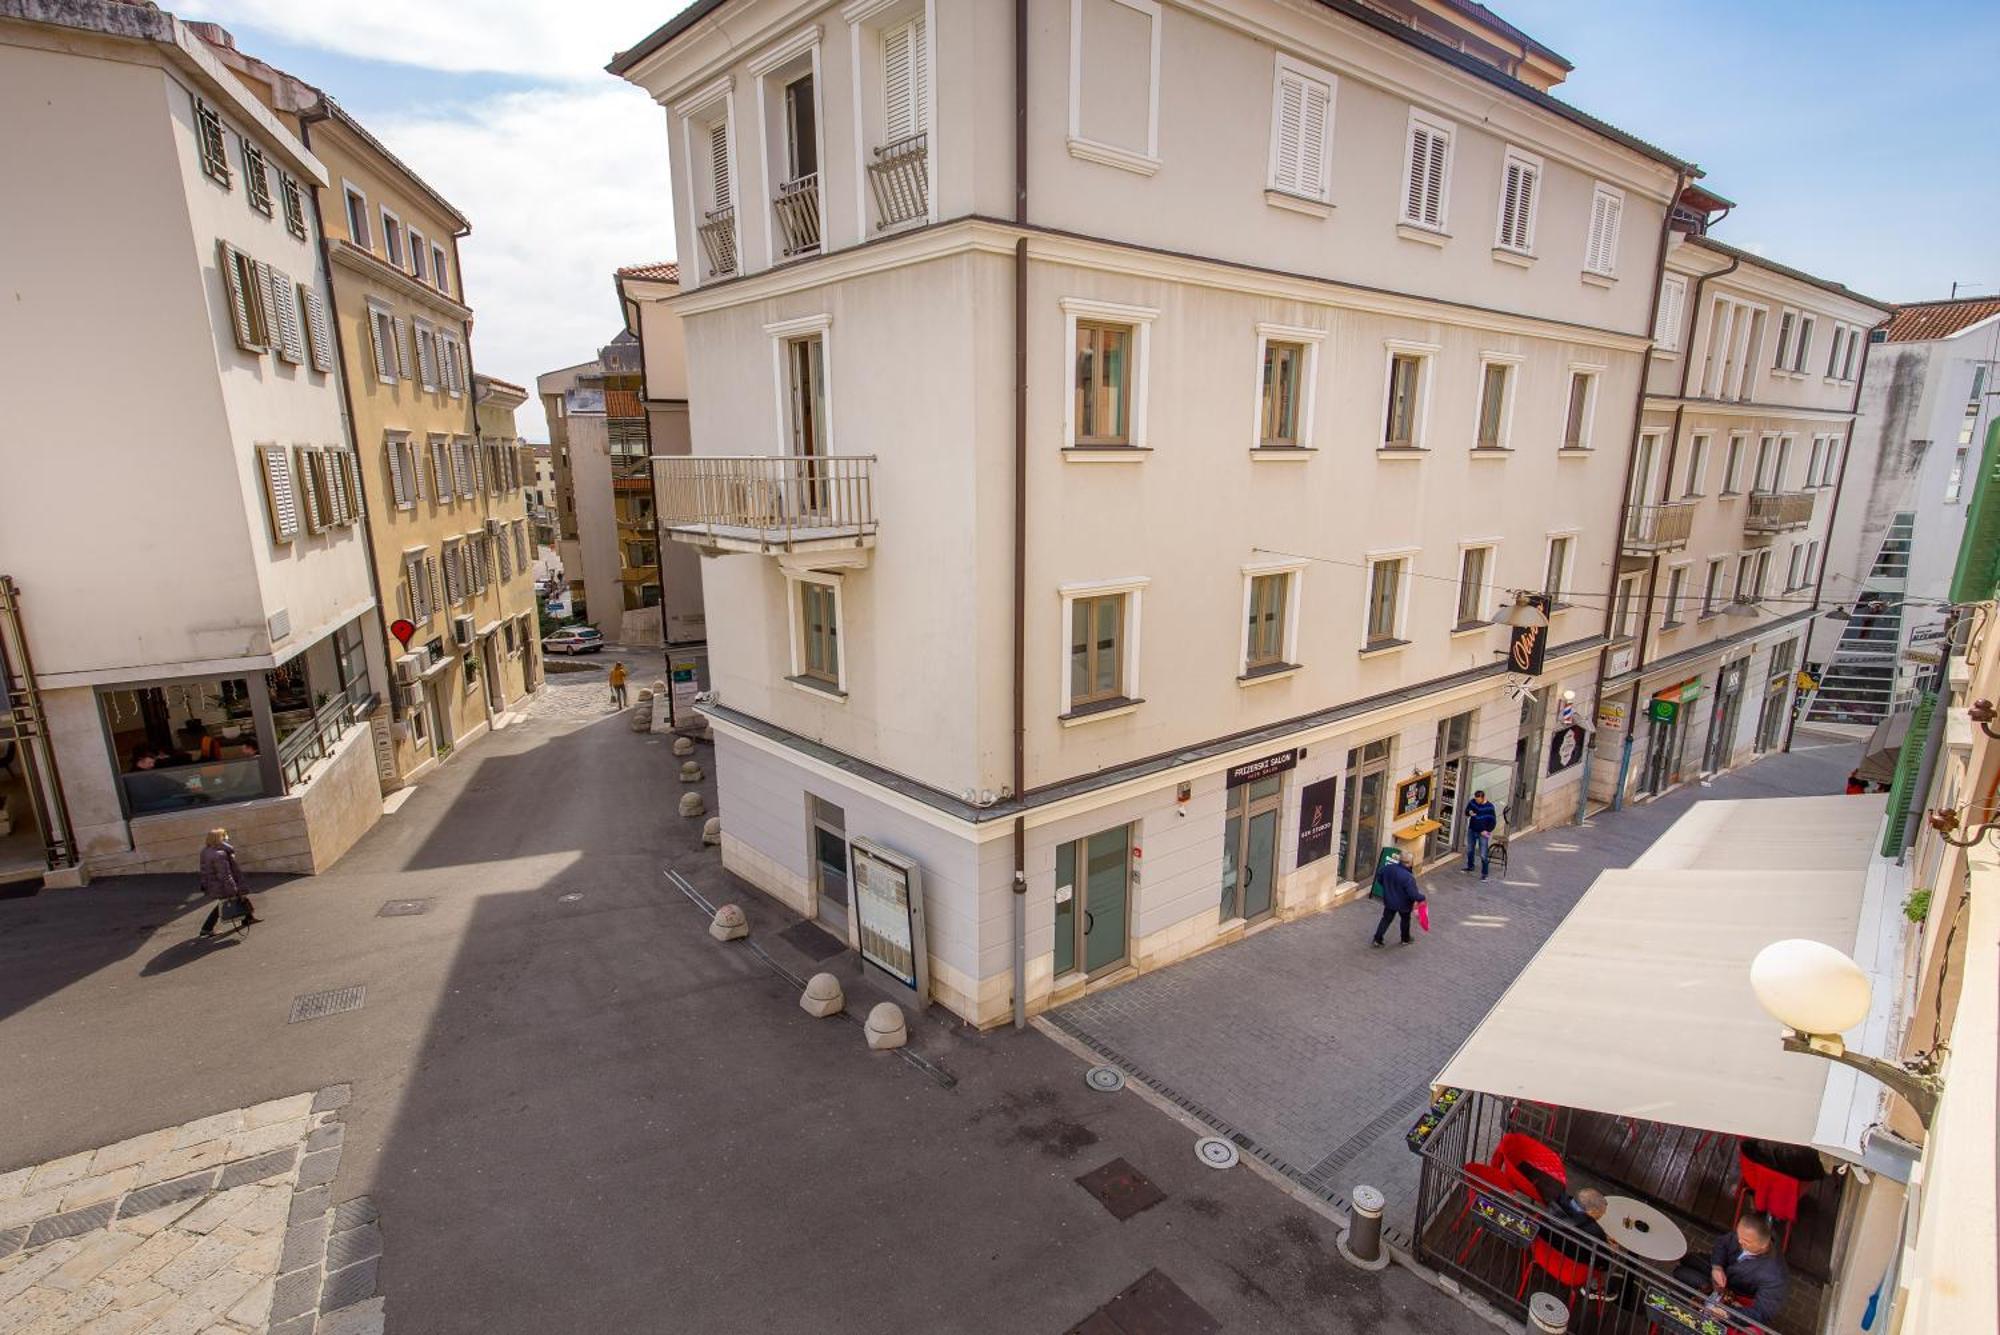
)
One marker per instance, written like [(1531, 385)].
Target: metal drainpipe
[(1020, 886), (1833, 509), (1681, 179)]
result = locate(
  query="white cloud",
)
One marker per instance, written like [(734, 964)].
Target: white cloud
[(561, 188)]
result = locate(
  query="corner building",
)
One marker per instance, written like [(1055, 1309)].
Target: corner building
[(1334, 329)]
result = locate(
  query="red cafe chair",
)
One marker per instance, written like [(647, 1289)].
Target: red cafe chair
[(1572, 1275), (1773, 1192), (1516, 1149), (1487, 1178)]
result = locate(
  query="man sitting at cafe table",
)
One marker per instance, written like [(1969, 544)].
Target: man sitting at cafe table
[(1744, 1269)]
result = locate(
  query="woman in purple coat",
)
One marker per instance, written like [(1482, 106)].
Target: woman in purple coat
[(222, 880)]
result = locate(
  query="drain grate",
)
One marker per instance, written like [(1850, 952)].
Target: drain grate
[(315, 1005), (403, 908)]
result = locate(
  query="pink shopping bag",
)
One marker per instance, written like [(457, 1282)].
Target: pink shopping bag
[(1424, 914)]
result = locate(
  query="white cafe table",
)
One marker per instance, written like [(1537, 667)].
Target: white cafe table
[(1642, 1230)]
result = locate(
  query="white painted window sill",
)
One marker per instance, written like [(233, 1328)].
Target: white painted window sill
[(1097, 713), (1429, 236), (1401, 451), (1575, 452), (1282, 453), (1384, 649), (1599, 279), (1490, 451), (1089, 150), (1470, 628), (1106, 454), (1312, 208), (1520, 259), (1276, 672), (819, 689)]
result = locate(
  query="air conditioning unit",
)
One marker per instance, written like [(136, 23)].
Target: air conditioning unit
[(409, 696), (463, 629), (410, 667)]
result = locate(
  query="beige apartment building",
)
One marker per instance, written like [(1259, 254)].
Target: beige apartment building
[(1331, 334), (1750, 405), (447, 514), (195, 642)]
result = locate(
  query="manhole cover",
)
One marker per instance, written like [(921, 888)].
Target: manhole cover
[(1104, 1079), (1121, 1189), (1215, 1152), (314, 1005), (569, 898), (403, 908)]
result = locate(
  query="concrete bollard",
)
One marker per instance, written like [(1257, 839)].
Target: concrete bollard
[(823, 996), (683, 746), (711, 833), (690, 771), (1547, 1314), (886, 1028), (657, 688), (729, 924), (692, 805), (1361, 1241)]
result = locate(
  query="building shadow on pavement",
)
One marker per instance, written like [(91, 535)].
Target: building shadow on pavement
[(59, 937)]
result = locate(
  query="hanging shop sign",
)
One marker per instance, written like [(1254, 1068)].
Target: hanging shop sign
[(889, 914), (1565, 747), (1528, 649), (1252, 770), (1611, 715), (1414, 794), (1316, 821)]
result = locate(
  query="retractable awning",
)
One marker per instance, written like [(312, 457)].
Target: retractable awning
[(1640, 1004)]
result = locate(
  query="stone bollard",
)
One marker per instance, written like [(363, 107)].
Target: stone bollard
[(1547, 1314), (823, 996), (692, 805), (729, 924), (711, 833), (886, 1027), (690, 771), (657, 688), (683, 746), (1361, 1241)]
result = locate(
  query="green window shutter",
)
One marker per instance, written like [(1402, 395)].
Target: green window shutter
[(1910, 759), (1978, 573)]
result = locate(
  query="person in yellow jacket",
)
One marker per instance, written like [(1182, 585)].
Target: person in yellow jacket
[(617, 685)]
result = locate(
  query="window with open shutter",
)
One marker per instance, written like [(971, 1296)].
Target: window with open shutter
[(1607, 208), (1300, 119), (462, 466), (436, 583), (244, 286), (291, 334), (905, 80), (503, 559), (441, 483), (419, 588), (382, 332), (453, 581), (1520, 189), (1673, 305), (400, 482), (317, 336), (311, 488), (427, 357), (402, 345), (280, 499), (718, 162), (350, 472), (521, 543), (1429, 161)]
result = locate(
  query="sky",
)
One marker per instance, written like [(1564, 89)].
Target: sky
[(1858, 140)]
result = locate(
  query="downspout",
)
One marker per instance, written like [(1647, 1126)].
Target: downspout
[(1624, 516), (1833, 508), (1020, 886)]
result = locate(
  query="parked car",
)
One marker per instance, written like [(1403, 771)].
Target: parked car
[(574, 640)]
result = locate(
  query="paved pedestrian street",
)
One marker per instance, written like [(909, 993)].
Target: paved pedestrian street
[(1317, 1052), (221, 1225)]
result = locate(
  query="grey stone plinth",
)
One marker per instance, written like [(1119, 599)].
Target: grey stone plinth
[(691, 771), (823, 997), (711, 832), (66, 878), (683, 746), (886, 1027), (692, 805), (729, 924)]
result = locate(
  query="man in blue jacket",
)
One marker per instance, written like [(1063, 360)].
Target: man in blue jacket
[(1397, 887), (1744, 1270), (1480, 818)]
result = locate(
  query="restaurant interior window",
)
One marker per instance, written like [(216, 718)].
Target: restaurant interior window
[(185, 744)]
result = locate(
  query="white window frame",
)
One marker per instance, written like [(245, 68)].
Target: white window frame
[(1607, 265), (1426, 355), (860, 14), (1400, 636), (1829, 476), (794, 617), (1627, 611), (1673, 605), (440, 269), (1788, 330), (1288, 65), (350, 192), (1489, 586), (1792, 580), (1813, 458), (1501, 243), (1586, 435), (388, 368), (404, 458), (1732, 463), (1513, 361), (1294, 571), (1803, 333), (1714, 587), (1141, 319), (1696, 483), (697, 115), (1437, 126), (780, 334), (1672, 310), (401, 233), (419, 255), (1090, 150), (1566, 576), (1267, 334), (1132, 588), (771, 85)]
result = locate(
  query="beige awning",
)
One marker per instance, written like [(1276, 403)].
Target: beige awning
[(1640, 1004)]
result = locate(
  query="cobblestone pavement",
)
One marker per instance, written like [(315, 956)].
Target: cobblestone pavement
[(221, 1225), (1319, 1051)]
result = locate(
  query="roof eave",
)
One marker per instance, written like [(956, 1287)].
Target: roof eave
[(1887, 309)]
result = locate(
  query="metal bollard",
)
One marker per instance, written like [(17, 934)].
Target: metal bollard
[(1547, 1314), (1361, 1241)]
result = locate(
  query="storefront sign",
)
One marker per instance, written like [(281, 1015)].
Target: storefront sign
[(1565, 747), (1611, 715), (1316, 821), (1414, 794), (1691, 690), (889, 913), (1528, 649), (1252, 770), (1664, 711), (685, 688)]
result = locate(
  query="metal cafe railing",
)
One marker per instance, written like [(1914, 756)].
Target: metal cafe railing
[(314, 740), (1776, 511), (1490, 1241), (797, 206), (771, 498), (1659, 528), (900, 177)]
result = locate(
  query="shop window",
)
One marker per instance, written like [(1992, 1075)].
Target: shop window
[(184, 744)]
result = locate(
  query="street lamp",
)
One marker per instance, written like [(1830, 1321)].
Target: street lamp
[(1523, 612), (1818, 994)]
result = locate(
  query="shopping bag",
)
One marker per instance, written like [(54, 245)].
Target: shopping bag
[(235, 908), (1424, 914)]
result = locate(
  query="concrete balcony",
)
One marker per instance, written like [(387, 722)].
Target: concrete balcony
[(775, 504), (1778, 511), (1659, 528)]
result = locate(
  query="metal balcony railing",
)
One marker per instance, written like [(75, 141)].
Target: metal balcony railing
[(1659, 528), (718, 241), (1777, 511), (314, 740), (797, 205), (767, 502), (900, 177)]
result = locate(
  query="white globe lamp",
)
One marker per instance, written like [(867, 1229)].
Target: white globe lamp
[(1810, 987)]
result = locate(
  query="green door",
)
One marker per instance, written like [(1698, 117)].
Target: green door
[(1106, 888)]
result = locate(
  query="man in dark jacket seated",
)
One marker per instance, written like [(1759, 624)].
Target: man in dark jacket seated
[(1744, 1270)]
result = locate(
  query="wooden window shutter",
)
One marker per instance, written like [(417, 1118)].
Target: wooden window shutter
[(339, 509), (437, 588), (350, 472), (718, 161), (291, 343), (1291, 112), (905, 81), (280, 500), (402, 342), (309, 487), (502, 559), (399, 477), (1420, 205), (1318, 102), (521, 543), (451, 593), (242, 301), (383, 334), (1601, 254), (413, 583), (427, 358), (1517, 206), (318, 336)]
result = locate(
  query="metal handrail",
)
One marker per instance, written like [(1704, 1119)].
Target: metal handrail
[(1770, 511), (900, 178), (797, 206), (718, 240), (1660, 526), (777, 497), (314, 742)]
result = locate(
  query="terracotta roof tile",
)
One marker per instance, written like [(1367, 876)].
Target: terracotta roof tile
[(623, 403), (1939, 319), (668, 271)]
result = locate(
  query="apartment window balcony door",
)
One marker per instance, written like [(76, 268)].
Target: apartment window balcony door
[(831, 877), (796, 199), (1250, 850), (805, 371)]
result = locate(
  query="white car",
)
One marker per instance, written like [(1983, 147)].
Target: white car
[(574, 640)]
